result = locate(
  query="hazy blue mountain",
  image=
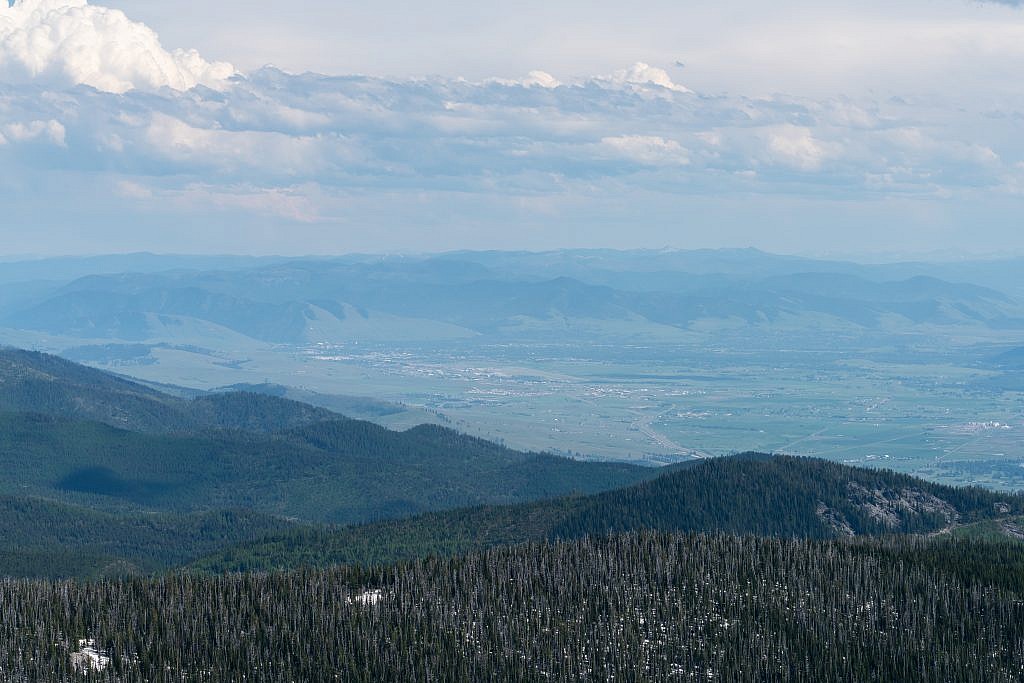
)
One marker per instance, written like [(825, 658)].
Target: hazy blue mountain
[(73, 267), (1012, 359), (509, 295), (129, 315), (1006, 275), (580, 263), (645, 269)]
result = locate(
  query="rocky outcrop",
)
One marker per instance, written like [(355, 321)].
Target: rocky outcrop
[(834, 520), (892, 508)]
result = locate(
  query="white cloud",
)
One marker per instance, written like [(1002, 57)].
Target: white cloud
[(358, 134), (70, 42), (642, 75), (306, 149), (130, 189), (534, 79), (52, 131), (648, 149), (253, 152), (272, 161), (795, 146)]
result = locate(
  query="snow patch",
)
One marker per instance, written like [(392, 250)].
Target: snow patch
[(89, 658), (368, 597)]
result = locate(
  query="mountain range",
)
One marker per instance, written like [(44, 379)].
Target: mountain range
[(100, 475), (469, 295)]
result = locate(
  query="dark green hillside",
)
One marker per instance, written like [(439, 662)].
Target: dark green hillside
[(784, 496), (443, 534), (33, 382), (748, 494), (41, 383), (634, 607), (46, 539), (74, 435), (342, 471), (352, 406), (254, 412)]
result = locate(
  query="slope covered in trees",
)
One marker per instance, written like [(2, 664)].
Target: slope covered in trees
[(33, 382), (342, 471), (629, 607), (105, 475), (45, 539), (79, 435), (747, 494)]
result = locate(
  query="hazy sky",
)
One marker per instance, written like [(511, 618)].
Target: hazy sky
[(855, 128)]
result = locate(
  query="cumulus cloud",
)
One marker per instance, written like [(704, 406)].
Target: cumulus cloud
[(70, 42), (278, 146), (795, 146), (649, 150), (534, 79), (51, 131), (177, 141), (272, 130), (321, 152), (642, 75)]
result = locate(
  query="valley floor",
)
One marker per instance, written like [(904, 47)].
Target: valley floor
[(935, 414)]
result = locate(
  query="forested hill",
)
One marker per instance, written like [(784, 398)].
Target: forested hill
[(750, 494), (44, 539), (33, 382), (339, 471), (110, 461)]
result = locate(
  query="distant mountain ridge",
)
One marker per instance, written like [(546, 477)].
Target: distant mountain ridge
[(1012, 359), (498, 294)]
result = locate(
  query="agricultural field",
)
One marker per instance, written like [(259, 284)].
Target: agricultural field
[(921, 411)]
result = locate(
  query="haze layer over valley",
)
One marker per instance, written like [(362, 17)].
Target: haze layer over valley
[(655, 357)]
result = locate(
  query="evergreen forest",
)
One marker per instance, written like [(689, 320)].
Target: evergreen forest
[(633, 607)]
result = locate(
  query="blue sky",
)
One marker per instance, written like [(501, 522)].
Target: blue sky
[(855, 129)]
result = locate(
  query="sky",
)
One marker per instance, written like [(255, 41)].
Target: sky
[(859, 129)]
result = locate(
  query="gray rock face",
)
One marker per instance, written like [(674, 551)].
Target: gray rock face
[(892, 508), (834, 520)]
